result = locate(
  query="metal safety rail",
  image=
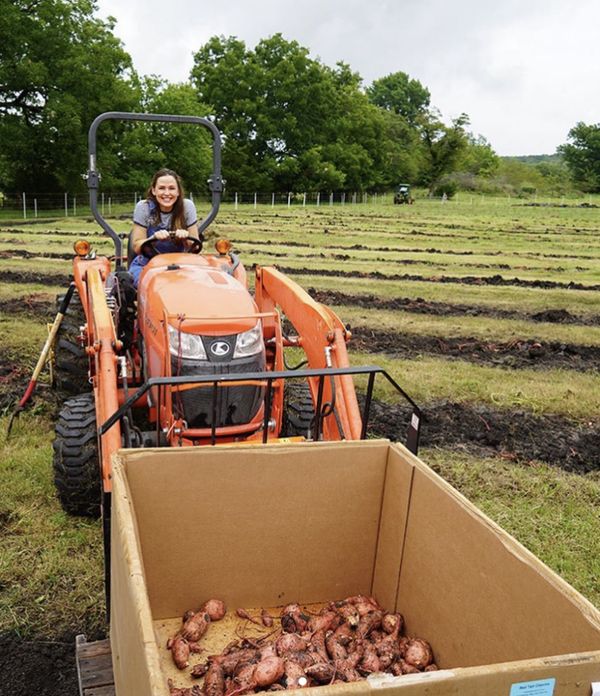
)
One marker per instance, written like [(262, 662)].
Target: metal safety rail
[(414, 427)]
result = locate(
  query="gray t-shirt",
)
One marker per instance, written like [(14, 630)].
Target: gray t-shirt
[(141, 215)]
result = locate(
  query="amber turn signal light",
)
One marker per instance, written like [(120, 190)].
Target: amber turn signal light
[(81, 247), (223, 246)]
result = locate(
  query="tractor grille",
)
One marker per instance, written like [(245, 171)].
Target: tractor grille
[(236, 405)]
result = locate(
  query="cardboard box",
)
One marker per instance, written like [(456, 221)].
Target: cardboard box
[(267, 525)]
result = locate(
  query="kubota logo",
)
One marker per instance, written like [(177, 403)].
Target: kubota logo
[(220, 348)]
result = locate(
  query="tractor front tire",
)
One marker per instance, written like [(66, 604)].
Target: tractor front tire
[(75, 461), (299, 411), (71, 363)]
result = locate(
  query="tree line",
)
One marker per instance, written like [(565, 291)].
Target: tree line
[(289, 122)]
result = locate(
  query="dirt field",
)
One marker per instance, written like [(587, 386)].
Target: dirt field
[(503, 300)]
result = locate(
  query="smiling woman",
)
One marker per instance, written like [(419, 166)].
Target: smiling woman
[(166, 215)]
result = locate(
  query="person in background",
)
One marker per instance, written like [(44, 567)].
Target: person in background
[(164, 214)]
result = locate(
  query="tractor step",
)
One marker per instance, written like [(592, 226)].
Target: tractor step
[(94, 667)]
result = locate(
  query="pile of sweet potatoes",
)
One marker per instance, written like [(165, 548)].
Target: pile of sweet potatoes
[(346, 641)]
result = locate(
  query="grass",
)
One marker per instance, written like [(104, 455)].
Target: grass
[(51, 572), (483, 328), (563, 392), (553, 513)]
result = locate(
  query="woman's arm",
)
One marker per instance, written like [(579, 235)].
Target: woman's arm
[(139, 237)]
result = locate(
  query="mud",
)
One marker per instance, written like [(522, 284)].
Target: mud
[(40, 668), (496, 280), (34, 277), (483, 431), (443, 309), (35, 306), (521, 353), (24, 254)]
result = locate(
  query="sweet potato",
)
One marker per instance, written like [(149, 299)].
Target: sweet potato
[(180, 651), (418, 653), (295, 677), (214, 681), (215, 608), (196, 626), (321, 672), (288, 642), (268, 671), (293, 620)]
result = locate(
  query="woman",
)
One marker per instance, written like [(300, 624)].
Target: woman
[(164, 214)]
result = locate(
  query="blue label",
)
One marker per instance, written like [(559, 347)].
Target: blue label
[(543, 687)]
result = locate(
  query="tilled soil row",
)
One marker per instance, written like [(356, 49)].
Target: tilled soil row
[(464, 280), (420, 250), (66, 256), (518, 353), (443, 309), (514, 435), (34, 277)]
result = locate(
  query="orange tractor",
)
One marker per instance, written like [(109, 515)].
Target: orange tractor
[(203, 361)]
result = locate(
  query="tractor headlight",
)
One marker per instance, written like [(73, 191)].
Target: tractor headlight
[(187, 345), (249, 342)]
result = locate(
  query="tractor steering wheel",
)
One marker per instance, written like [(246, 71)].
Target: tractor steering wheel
[(148, 248)]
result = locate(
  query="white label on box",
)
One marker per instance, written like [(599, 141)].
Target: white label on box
[(595, 688), (382, 680), (542, 687)]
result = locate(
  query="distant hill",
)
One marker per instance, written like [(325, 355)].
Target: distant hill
[(535, 159)]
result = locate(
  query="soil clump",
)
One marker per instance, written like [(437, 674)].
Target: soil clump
[(516, 435)]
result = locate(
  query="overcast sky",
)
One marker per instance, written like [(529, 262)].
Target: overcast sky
[(525, 71)]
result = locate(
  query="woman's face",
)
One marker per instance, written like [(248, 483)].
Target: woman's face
[(166, 192)]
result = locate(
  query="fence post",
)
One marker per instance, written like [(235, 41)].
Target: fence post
[(66, 205), (35, 207), (331, 198), (109, 205), (318, 198), (255, 200), (289, 198), (344, 198), (273, 199), (236, 201), (103, 203), (74, 206), (304, 200), (24, 207)]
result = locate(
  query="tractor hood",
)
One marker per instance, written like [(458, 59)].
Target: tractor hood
[(211, 300)]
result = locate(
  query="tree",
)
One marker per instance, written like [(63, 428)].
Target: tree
[(582, 155), (289, 121), (442, 145), (478, 157), (401, 95), (59, 68), (145, 147)]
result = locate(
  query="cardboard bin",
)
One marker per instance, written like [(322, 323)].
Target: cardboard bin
[(261, 526)]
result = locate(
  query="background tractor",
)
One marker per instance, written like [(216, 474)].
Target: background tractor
[(402, 195)]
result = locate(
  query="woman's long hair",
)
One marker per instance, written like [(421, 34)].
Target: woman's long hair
[(177, 212)]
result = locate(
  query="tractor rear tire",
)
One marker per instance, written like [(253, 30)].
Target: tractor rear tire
[(71, 363), (299, 410), (75, 462)]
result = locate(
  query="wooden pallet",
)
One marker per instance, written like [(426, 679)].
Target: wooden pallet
[(94, 667)]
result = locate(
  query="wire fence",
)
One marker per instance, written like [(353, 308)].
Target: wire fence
[(29, 206)]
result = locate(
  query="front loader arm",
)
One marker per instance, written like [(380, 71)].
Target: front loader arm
[(323, 337), (102, 345)]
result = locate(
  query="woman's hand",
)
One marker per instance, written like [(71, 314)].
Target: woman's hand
[(162, 234), (181, 234)]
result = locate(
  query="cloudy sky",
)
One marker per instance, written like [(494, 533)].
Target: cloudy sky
[(525, 71)]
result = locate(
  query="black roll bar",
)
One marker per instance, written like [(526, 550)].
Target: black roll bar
[(414, 427), (215, 183)]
